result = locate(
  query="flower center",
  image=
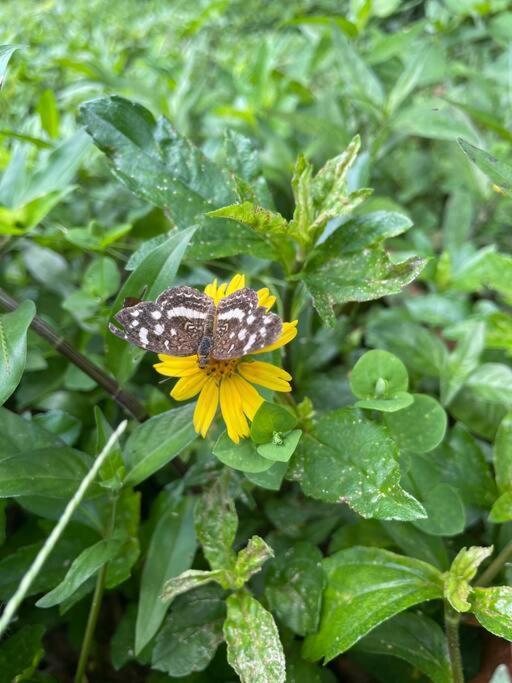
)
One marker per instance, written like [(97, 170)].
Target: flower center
[(219, 369)]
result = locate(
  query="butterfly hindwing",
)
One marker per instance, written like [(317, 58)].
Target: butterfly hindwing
[(174, 324), (242, 326)]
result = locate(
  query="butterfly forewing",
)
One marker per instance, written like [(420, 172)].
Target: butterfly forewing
[(174, 324), (242, 326)]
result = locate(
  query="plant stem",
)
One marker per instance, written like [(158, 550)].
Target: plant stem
[(496, 566), (451, 622), (49, 545), (97, 599), (92, 620)]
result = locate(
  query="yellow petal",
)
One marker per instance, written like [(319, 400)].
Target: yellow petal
[(266, 375), (187, 387), (232, 410), (251, 399), (237, 282), (211, 289), (266, 299), (175, 366), (206, 406), (288, 333)]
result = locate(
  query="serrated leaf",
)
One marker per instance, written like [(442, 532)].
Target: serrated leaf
[(155, 162), (13, 347), (366, 586), (493, 609), (171, 551), (261, 220), (463, 570), (254, 649), (157, 441), (348, 458), (294, 584), (362, 276)]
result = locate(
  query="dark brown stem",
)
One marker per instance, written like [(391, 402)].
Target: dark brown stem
[(105, 381)]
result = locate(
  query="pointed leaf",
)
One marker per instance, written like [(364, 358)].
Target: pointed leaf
[(13, 347)]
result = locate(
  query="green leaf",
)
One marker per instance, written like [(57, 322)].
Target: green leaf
[(101, 278), (463, 570), (387, 405), (224, 239), (127, 523), (113, 470), (191, 633), (269, 419), (156, 271), (492, 382), (155, 162), (270, 479), (282, 447), (378, 375), (49, 113), (13, 347), (242, 456), (82, 568), (501, 510), (191, 579), (420, 427), (446, 515), (502, 454), (250, 559), (216, 522), (348, 458), (461, 362), (21, 653), (157, 441), (254, 649), (6, 52), (416, 639), (433, 119), (261, 220), (499, 172), (294, 584), (357, 277), (366, 586), (171, 551), (408, 78), (361, 81), (493, 609)]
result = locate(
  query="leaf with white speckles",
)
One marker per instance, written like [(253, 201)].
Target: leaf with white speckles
[(254, 649), (493, 609), (348, 458)]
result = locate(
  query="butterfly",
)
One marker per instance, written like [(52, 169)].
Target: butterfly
[(183, 321)]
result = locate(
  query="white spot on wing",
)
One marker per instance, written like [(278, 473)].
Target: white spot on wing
[(135, 313), (159, 329), (173, 332), (186, 312), (250, 342), (250, 318), (156, 315), (232, 313), (143, 334), (134, 323), (242, 335)]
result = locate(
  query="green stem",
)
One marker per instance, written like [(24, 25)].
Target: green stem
[(451, 622), (496, 566), (91, 624), (97, 599)]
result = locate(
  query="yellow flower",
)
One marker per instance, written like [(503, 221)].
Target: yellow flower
[(228, 382)]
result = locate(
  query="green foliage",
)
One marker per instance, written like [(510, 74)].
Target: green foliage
[(354, 160)]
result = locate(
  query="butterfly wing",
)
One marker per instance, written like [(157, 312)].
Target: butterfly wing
[(242, 326), (173, 324)]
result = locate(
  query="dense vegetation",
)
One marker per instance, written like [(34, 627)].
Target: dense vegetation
[(350, 161)]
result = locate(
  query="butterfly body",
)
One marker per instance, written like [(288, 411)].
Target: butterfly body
[(184, 321)]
